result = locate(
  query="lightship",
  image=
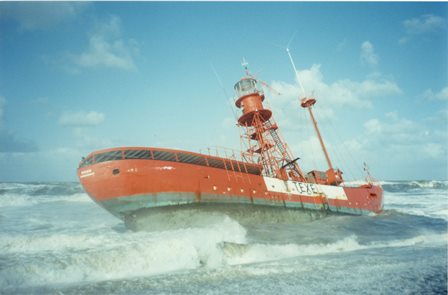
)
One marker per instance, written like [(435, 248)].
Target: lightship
[(124, 180)]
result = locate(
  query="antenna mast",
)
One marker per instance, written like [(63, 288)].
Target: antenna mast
[(334, 176), (296, 72), (244, 63)]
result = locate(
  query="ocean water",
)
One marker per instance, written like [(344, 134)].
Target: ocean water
[(55, 240)]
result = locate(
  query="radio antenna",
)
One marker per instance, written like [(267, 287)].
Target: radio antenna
[(244, 63), (297, 73)]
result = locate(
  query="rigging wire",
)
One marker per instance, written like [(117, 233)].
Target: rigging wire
[(310, 134), (349, 161), (337, 149), (235, 116), (227, 96)]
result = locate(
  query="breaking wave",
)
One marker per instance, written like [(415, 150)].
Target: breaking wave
[(11, 200), (242, 254), (404, 186), (64, 259), (29, 194), (423, 198), (41, 189), (47, 240)]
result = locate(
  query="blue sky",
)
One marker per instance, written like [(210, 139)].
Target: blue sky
[(77, 77)]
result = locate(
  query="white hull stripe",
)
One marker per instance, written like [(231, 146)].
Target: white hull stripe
[(86, 173), (304, 189)]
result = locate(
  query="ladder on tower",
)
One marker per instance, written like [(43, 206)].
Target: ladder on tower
[(277, 140)]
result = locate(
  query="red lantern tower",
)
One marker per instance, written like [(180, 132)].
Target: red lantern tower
[(261, 133)]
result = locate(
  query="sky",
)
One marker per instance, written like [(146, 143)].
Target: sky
[(76, 77)]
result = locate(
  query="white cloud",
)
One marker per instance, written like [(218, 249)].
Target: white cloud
[(433, 150), (441, 95), (40, 15), (81, 119), (424, 24), (368, 55), (310, 152), (392, 115), (373, 126), (107, 48), (397, 132), (401, 147), (339, 93), (353, 145)]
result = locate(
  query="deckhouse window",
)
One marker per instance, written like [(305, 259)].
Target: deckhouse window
[(216, 163), (253, 169), (108, 156), (236, 167), (164, 156), (87, 162), (193, 159), (137, 154)]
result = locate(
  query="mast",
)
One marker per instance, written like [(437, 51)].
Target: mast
[(334, 177), (308, 104)]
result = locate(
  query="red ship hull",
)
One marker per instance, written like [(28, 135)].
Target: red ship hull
[(124, 183)]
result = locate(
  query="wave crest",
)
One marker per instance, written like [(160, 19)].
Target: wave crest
[(404, 186)]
